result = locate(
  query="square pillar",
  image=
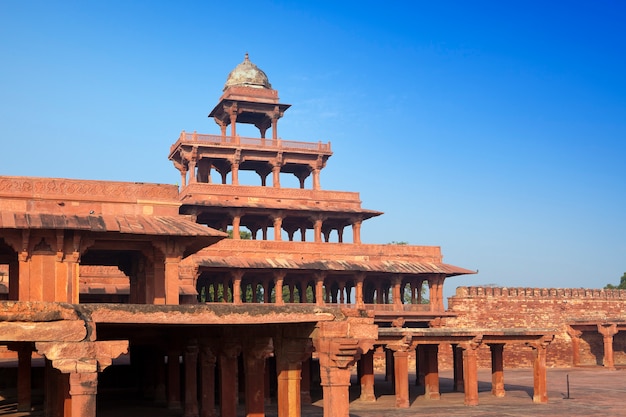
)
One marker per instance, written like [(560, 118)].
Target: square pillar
[(207, 382), (497, 370), (367, 376), (401, 377), (255, 354), (470, 372), (24, 389), (431, 373), (173, 380), (540, 391), (457, 366), (191, 380), (229, 386), (83, 390)]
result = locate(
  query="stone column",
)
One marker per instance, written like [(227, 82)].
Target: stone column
[(360, 279), (317, 229), (608, 330), (191, 380), (336, 359), (279, 277), (24, 389), (319, 288), (356, 231), (229, 372), (396, 293), (235, 171), (367, 376), (305, 383), (401, 374), (207, 381), (470, 370), (173, 380), (278, 227), (276, 176), (236, 277), (575, 335), (256, 352), (82, 361), (236, 224), (497, 370), (431, 373), (540, 391), (457, 366), (316, 178), (83, 390), (290, 352)]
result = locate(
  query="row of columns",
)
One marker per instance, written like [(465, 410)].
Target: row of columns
[(465, 370), (322, 290), (607, 331), (199, 170), (320, 232)]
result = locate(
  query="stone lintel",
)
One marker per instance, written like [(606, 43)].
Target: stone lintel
[(63, 330)]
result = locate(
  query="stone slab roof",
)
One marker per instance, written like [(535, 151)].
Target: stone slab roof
[(126, 224)]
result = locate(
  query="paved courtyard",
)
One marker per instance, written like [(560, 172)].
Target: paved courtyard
[(592, 392)]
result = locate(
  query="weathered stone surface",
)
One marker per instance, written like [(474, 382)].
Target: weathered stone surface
[(62, 330)]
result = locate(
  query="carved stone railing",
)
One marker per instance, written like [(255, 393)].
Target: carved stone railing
[(261, 143)]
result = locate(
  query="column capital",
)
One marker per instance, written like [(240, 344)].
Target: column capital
[(607, 329), (82, 357), (542, 343)]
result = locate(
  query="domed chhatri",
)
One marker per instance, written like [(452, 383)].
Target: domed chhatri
[(247, 74)]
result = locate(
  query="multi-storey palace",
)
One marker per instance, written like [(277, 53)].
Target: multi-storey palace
[(140, 286)]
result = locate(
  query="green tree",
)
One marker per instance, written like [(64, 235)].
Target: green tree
[(243, 234), (620, 286)]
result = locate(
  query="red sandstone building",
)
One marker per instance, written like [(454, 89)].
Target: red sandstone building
[(94, 271)]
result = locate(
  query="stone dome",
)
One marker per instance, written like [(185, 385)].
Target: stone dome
[(247, 74)]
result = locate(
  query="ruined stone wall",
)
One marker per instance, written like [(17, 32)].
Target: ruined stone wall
[(544, 308)]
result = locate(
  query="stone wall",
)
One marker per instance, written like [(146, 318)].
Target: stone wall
[(544, 308)]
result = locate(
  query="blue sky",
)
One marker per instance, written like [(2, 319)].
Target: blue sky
[(493, 129)]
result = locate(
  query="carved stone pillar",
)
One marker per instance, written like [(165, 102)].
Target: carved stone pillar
[(24, 389), (396, 293), (276, 176), (290, 352), (336, 357), (191, 379), (279, 277), (207, 381), (401, 373), (575, 335), (540, 390), (82, 361), (316, 179), (173, 380), (317, 229), (356, 231), (431, 373), (236, 277), (319, 288), (367, 377), (236, 224), (359, 278), (497, 370), (458, 384), (83, 390), (278, 227), (470, 370), (229, 372), (607, 331), (256, 351)]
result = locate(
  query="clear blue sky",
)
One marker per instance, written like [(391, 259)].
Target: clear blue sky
[(496, 130)]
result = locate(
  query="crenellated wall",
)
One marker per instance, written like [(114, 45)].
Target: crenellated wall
[(546, 308)]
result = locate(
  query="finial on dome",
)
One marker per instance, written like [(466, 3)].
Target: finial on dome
[(246, 58)]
